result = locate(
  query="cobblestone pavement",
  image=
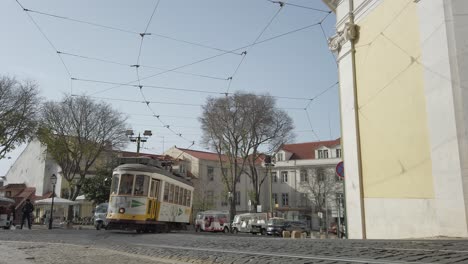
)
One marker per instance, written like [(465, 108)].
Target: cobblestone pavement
[(221, 248)]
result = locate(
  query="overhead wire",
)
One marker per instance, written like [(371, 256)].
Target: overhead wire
[(137, 66), (253, 43), (301, 6), (311, 126), (188, 90), (125, 30), (221, 54), (321, 93), (49, 41)]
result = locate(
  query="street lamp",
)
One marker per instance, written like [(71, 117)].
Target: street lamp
[(138, 139), (53, 180)]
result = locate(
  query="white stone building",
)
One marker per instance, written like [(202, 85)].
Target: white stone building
[(209, 189), (292, 177)]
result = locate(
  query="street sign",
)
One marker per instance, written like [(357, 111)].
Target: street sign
[(340, 169)]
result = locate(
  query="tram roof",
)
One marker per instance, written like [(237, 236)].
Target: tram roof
[(152, 169)]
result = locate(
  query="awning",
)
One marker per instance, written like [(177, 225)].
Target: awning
[(57, 201)]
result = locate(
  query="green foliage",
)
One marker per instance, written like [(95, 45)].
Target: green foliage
[(97, 188)]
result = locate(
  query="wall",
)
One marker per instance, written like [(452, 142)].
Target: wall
[(443, 41), (29, 168)]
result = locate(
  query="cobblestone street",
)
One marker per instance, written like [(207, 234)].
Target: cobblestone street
[(91, 246)]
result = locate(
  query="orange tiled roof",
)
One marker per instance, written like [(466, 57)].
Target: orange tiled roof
[(307, 150)]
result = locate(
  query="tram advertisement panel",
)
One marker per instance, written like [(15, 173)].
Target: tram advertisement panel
[(132, 205), (174, 213)]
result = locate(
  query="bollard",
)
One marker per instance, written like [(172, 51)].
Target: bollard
[(286, 234), (296, 234)]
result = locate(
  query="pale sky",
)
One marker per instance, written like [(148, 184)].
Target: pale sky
[(297, 65)]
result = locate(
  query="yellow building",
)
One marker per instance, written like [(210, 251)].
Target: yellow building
[(403, 68)]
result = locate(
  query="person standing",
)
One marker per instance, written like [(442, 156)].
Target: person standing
[(28, 209)]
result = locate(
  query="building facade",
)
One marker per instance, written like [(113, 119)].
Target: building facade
[(300, 174), (402, 68), (210, 192)]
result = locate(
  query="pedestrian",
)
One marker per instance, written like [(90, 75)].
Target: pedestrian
[(28, 208)]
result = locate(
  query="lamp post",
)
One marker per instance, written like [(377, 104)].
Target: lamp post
[(138, 139), (53, 180)]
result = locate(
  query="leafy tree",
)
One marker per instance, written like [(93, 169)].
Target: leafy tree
[(19, 106), (78, 132), (237, 127), (97, 188)]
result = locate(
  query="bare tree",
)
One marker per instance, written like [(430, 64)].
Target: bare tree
[(76, 131), (19, 105), (270, 127), (236, 127), (321, 186), (203, 198)]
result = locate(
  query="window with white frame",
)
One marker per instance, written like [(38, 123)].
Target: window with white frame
[(285, 199), (338, 153), (304, 176), (238, 198), (279, 157), (274, 175), (322, 153), (275, 198), (284, 176), (210, 173)]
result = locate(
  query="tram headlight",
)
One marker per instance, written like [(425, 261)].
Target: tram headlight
[(122, 210)]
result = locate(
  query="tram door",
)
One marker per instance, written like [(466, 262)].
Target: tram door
[(153, 199)]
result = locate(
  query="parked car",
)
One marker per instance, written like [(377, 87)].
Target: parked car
[(212, 221), (249, 223), (276, 226)]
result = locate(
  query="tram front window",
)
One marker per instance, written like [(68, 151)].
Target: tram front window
[(115, 183), (141, 185), (126, 184)]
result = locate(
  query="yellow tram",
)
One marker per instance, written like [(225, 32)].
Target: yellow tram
[(148, 198)]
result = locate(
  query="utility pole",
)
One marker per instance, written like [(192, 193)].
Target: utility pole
[(138, 139)]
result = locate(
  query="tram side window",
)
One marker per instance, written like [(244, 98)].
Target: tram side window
[(171, 193), (181, 196), (184, 198), (189, 198), (176, 195), (141, 185), (166, 192), (126, 184), (115, 184)]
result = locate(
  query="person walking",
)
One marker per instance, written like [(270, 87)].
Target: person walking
[(28, 209)]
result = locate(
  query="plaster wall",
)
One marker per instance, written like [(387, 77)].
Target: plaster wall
[(29, 168)]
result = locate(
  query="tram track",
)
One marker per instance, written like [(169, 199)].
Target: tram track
[(283, 255)]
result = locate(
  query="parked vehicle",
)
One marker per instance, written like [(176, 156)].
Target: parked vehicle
[(212, 221), (276, 226), (100, 216), (6, 213), (250, 223)]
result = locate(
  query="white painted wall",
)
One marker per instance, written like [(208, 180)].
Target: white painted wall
[(29, 168), (439, 58)]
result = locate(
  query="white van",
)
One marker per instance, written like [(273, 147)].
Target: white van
[(212, 221), (250, 223)]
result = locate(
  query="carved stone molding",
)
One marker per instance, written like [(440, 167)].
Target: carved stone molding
[(349, 33), (332, 4)]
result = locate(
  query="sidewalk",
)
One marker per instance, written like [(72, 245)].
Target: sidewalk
[(52, 253)]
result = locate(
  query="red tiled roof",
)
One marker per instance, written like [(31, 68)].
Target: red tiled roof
[(307, 150), (204, 155)]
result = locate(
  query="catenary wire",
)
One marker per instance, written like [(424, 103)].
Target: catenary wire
[(253, 43), (124, 30), (48, 40)]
